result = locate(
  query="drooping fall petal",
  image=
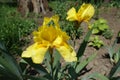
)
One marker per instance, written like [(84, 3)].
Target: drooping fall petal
[(67, 53), (36, 52), (39, 56)]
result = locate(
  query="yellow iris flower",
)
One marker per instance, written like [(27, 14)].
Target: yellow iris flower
[(85, 13), (49, 37)]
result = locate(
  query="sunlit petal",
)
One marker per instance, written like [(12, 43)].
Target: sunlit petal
[(67, 53), (36, 52), (46, 20), (57, 41), (30, 51), (39, 56), (85, 12), (72, 16), (55, 18)]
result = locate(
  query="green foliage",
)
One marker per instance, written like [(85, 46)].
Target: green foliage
[(113, 73), (118, 34), (13, 26), (108, 34), (60, 8), (100, 26), (97, 3), (85, 62), (95, 76), (8, 65), (111, 76), (118, 37), (10, 70), (73, 31), (114, 55), (96, 42), (114, 3)]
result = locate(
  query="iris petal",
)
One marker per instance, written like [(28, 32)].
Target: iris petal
[(86, 12), (30, 51), (57, 41), (36, 52), (55, 19), (39, 56), (67, 53), (46, 21), (72, 15)]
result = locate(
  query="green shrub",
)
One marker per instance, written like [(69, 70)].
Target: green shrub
[(114, 3), (96, 42), (100, 26), (73, 31), (113, 53), (60, 8)]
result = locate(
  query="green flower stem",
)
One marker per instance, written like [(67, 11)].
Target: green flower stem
[(51, 62), (76, 26)]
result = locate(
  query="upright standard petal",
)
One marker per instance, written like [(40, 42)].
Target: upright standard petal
[(55, 19), (46, 20), (85, 12), (67, 53), (71, 14)]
